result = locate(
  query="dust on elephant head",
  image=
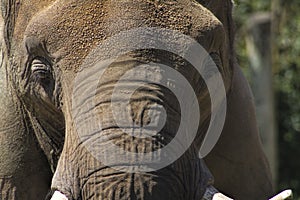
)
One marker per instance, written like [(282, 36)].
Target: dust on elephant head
[(47, 46)]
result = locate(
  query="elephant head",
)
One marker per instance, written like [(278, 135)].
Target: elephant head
[(89, 77)]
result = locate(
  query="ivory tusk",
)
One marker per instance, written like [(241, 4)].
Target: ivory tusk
[(283, 195), (58, 196), (212, 193), (220, 196)]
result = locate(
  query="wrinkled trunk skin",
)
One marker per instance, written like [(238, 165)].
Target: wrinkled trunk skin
[(79, 175)]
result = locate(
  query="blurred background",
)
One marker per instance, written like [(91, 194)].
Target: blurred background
[(268, 48)]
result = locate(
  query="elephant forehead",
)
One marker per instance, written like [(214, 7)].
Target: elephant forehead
[(67, 28), (70, 29)]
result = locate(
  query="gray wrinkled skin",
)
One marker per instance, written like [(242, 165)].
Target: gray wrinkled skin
[(37, 132)]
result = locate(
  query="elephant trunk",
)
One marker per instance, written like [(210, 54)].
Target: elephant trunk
[(126, 129)]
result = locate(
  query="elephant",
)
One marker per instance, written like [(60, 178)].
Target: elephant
[(44, 145)]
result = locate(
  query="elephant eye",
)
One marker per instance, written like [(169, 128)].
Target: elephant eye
[(41, 67)]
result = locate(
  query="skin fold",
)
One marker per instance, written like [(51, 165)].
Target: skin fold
[(39, 132)]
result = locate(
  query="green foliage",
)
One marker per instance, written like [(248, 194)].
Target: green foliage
[(286, 83), (247, 7)]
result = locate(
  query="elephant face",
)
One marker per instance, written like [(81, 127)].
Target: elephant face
[(58, 81)]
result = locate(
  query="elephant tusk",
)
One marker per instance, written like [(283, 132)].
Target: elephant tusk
[(220, 196), (58, 196), (287, 194), (212, 193)]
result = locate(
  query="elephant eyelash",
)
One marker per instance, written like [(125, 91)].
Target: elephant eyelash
[(39, 65)]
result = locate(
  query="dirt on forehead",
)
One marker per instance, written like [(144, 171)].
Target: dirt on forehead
[(70, 29)]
